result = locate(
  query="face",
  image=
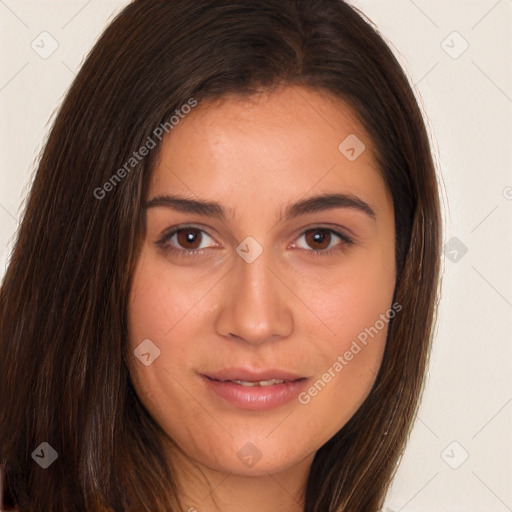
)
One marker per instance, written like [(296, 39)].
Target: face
[(245, 277)]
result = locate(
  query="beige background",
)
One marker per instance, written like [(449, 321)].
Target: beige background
[(467, 93)]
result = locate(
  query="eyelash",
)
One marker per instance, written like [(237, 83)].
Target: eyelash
[(163, 242)]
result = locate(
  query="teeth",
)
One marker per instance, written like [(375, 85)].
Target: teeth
[(259, 383)]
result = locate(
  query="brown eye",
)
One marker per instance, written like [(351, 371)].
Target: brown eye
[(189, 238), (320, 242), (318, 239)]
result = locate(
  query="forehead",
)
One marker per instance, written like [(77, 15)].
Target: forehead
[(285, 142)]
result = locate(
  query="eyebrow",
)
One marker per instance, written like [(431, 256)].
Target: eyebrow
[(310, 205)]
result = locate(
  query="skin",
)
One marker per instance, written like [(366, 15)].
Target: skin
[(287, 309)]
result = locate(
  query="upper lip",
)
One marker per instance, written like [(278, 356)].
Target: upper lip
[(248, 375)]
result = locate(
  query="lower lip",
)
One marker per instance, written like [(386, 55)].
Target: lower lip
[(256, 398)]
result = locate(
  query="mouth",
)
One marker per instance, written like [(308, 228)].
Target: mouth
[(249, 377), (261, 383), (251, 390)]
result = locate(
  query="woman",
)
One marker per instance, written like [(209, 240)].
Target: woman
[(223, 289)]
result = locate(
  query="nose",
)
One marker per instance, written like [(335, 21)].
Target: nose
[(255, 306)]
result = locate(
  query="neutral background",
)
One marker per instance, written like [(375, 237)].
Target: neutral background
[(458, 54)]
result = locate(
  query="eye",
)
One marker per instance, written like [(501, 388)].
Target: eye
[(192, 241), (187, 240), (322, 241)]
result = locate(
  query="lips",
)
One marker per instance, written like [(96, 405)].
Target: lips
[(253, 390)]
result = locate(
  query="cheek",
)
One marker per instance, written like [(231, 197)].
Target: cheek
[(356, 307), (350, 299), (162, 309), (159, 299), (352, 358)]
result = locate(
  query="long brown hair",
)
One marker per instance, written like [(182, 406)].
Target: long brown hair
[(63, 300)]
